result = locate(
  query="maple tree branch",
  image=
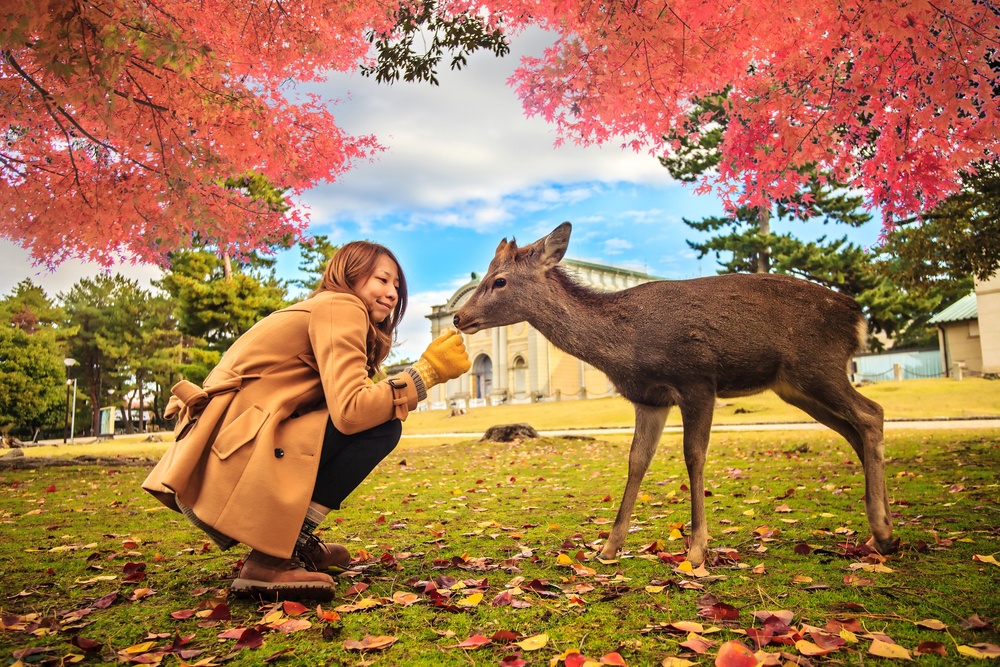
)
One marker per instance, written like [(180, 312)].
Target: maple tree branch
[(55, 109), (146, 102), (10, 162), (47, 100), (69, 148), (161, 10), (156, 119), (649, 68), (955, 20), (951, 28), (685, 24)]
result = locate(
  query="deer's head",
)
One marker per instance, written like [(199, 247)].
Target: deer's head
[(515, 284)]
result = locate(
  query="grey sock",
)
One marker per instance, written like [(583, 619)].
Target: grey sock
[(313, 518), (224, 542)]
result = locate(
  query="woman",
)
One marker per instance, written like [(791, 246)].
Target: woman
[(292, 420)]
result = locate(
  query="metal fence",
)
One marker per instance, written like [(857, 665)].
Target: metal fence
[(903, 365)]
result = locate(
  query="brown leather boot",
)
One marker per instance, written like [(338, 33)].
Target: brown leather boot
[(322, 556), (273, 578)]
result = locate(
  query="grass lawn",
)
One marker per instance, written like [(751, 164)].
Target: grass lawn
[(913, 399), (470, 553)]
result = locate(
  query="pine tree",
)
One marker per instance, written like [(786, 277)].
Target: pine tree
[(744, 243), (213, 310)]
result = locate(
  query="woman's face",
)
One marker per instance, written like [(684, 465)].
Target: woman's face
[(379, 291)]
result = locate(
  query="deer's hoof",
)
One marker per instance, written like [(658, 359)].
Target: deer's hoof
[(884, 547), (608, 554), (696, 556)]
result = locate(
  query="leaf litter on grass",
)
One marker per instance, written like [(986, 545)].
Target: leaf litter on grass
[(447, 562)]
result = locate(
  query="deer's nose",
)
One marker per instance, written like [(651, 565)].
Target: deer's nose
[(456, 320)]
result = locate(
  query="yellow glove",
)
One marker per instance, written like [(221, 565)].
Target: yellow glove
[(444, 359)]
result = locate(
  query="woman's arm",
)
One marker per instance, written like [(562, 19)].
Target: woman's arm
[(338, 331)]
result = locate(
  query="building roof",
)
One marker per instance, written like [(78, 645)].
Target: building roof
[(963, 309)]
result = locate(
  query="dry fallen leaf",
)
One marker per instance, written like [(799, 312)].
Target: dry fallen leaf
[(884, 650), (932, 624), (293, 608), (370, 643), (533, 643), (138, 649), (871, 567), (475, 641), (810, 649), (980, 651), (328, 616), (470, 600), (697, 644), (937, 648), (291, 625), (676, 662), (404, 598), (735, 654), (251, 638)]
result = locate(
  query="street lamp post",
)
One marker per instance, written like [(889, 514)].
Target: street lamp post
[(111, 417), (69, 383), (72, 426), (72, 420)]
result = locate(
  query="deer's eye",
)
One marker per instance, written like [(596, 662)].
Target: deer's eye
[(499, 282)]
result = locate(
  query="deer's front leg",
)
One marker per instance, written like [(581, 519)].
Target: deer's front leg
[(696, 413), (649, 422)]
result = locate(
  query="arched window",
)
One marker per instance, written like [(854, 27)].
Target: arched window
[(520, 369), (482, 371)]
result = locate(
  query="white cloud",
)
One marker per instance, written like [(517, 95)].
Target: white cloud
[(464, 143), (17, 265), (616, 246)]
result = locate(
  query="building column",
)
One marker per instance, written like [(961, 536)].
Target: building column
[(500, 380), (534, 363)]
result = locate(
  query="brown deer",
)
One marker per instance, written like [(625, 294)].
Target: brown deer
[(686, 342)]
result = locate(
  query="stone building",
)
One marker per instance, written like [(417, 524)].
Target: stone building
[(517, 364)]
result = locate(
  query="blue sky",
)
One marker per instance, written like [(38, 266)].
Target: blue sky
[(464, 168)]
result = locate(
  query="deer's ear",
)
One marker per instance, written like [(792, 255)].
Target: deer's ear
[(554, 245), (505, 250)]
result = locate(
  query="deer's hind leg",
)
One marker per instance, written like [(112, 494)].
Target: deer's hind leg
[(835, 403), (649, 421)]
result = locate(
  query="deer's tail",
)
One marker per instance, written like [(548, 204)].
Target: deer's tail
[(862, 330)]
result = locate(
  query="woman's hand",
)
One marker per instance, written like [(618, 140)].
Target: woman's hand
[(444, 359)]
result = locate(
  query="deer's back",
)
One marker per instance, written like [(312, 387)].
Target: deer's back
[(739, 332)]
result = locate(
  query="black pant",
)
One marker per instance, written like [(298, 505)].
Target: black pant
[(347, 459)]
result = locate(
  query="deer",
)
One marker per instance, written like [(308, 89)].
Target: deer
[(688, 343)]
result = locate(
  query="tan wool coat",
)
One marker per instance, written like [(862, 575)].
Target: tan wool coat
[(247, 445)]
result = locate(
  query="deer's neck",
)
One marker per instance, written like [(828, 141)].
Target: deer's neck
[(579, 320)]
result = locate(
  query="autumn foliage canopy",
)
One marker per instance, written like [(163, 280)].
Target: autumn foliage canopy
[(129, 123), (894, 97), (125, 119)]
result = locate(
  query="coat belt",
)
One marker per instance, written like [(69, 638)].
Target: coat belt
[(188, 395)]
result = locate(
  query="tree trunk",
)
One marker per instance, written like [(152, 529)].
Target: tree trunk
[(764, 253)]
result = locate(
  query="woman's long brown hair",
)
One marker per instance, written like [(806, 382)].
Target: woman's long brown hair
[(351, 266)]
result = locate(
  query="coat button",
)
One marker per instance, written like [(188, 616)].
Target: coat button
[(278, 452)]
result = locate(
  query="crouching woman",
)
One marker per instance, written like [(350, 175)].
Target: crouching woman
[(293, 419)]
